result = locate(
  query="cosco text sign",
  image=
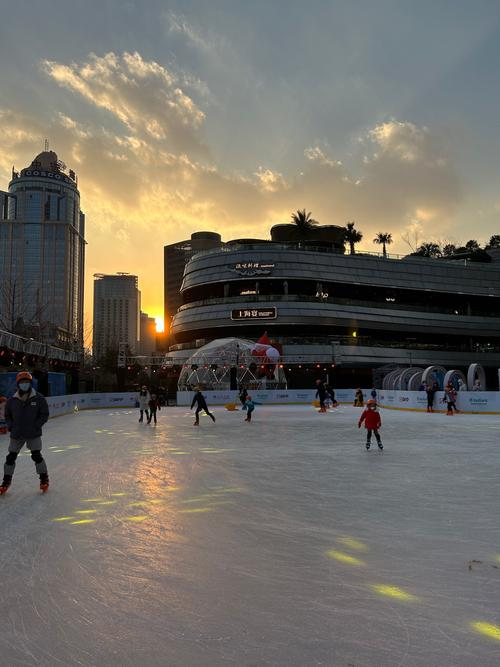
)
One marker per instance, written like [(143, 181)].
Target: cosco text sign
[(254, 314), (47, 174)]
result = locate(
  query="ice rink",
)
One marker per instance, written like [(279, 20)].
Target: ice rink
[(280, 542)]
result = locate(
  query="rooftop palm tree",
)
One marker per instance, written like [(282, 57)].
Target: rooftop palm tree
[(472, 245), (352, 236), (429, 250), (383, 239), (304, 222)]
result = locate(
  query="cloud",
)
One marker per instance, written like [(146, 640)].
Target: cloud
[(144, 95), (146, 180)]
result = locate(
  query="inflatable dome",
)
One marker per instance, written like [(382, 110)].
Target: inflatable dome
[(257, 365)]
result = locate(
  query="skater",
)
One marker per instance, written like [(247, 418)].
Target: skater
[(431, 392), (154, 405), (201, 404), (373, 422), (144, 398), (450, 397), (373, 393), (249, 407), (359, 398), (243, 396), (331, 395), (25, 414), (321, 394)]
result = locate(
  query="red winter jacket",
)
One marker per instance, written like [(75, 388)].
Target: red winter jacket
[(371, 418)]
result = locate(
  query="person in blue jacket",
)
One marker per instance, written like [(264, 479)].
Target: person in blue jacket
[(25, 414), (249, 407)]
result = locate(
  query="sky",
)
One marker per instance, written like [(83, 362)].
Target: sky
[(228, 115)]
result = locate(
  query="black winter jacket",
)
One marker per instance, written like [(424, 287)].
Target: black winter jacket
[(199, 399), (26, 418)]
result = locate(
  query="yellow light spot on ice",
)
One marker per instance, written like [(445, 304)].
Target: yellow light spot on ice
[(92, 500), (344, 558), (63, 518), (498, 558), (394, 592), (118, 494), (136, 519), (352, 543), (86, 511), (80, 521), (74, 446), (492, 631), (173, 488), (106, 502), (179, 453), (55, 451), (196, 510)]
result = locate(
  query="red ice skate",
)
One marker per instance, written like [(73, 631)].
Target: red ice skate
[(4, 488), (44, 483)]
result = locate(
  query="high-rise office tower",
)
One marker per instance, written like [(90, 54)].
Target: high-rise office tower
[(117, 303), (42, 253)]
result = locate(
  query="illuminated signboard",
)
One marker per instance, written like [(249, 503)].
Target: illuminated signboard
[(254, 314), (253, 268)]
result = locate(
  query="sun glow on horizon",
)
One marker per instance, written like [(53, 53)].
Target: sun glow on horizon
[(159, 324)]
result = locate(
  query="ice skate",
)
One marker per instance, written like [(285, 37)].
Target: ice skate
[(196, 423), (367, 446), (213, 418), (4, 488), (44, 483), (380, 446)]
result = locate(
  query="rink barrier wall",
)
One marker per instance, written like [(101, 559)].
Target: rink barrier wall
[(474, 402), (64, 405), (468, 402)]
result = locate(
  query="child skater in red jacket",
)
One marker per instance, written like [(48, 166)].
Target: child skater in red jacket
[(372, 423)]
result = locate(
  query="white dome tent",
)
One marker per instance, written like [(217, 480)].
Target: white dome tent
[(257, 366)]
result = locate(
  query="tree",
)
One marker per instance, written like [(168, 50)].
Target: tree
[(304, 222), (352, 236), (472, 245), (429, 250), (449, 249), (383, 239), (494, 241)]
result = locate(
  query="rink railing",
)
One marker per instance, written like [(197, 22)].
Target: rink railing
[(480, 402)]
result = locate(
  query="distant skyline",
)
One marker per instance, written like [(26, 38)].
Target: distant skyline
[(181, 116)]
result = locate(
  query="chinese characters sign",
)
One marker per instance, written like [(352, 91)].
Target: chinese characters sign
[(254, 314), (253, 268)]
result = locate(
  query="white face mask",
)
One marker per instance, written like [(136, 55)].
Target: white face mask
[(24, 386)]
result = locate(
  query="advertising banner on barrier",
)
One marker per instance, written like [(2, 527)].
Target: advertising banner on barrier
[(467, 401), (279, 396)]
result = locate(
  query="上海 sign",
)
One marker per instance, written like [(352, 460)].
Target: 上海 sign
[(254, 314)]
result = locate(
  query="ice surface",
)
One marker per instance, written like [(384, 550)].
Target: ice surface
[(280, 542)]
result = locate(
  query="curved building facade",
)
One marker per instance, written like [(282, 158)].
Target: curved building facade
[(42, 252), (356, 311)]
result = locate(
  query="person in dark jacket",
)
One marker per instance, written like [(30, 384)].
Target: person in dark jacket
[(431, 392), (243, 396), (154, 405), (321, 394), (25, 414), (331, 395), (201, 404)]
